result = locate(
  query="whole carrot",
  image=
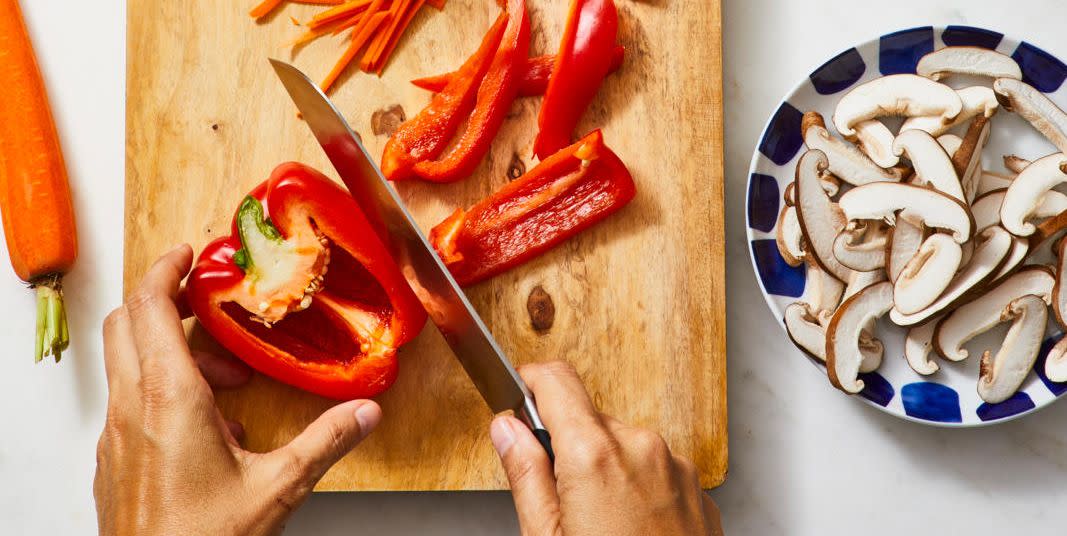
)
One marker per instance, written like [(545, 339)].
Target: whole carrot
[(35, 200)]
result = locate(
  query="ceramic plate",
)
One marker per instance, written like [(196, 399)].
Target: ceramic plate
[(948, 397)]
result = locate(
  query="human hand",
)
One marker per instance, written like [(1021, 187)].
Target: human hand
[(609, 478), (167, 461)]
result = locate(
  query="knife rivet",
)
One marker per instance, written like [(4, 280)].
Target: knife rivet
[(541, 309)]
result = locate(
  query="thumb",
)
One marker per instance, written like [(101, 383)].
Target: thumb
[(533, 483), (303, 462)]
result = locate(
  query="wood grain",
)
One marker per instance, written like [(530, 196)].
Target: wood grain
[(638, 300)]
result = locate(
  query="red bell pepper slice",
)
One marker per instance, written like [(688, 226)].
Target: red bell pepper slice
[(534, 79), (415, 148), (563, 195), (310, 296), (583, 60)]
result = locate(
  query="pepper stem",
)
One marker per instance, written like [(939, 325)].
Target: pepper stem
[(52, 334)]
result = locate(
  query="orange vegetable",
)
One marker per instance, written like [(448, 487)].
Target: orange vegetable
[(395, 38), (264, 8), (35, 200), (360, 35)]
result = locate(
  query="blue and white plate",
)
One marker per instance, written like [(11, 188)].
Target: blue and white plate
[(948, 397)]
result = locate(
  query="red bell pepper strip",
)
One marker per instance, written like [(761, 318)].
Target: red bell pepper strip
[(427, 134), (534, 80), (583, 60), (563, 195), (309, 296), (496, 90)]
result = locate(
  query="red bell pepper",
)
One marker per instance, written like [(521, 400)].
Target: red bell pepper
[(583, 60), (304, 291), (534, 79), (563, 195), (415, 149)]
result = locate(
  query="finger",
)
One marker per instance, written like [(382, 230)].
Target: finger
[(615, 426), (120, 353), (533, 484), (182, 303), (329, 438), (712, 517), (222, 372), (157, 327), (563, 402)]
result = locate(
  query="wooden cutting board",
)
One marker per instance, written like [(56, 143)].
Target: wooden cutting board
[(639, 299)]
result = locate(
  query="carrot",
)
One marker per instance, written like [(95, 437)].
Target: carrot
[(35, 200), (344, 25), (395, 38), (318, 2), (340, 12), (264, 8), (374, 50), (360, 35)]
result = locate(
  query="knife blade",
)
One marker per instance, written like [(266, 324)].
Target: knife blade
[(472, 343)]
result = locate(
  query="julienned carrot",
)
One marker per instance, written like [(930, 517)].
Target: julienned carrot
[(395, 38), (375, 48), (344, 25), (264, 8), (35, 199), (342, 11), (360, 35)]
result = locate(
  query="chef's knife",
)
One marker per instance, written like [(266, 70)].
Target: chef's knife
[(447, 305)]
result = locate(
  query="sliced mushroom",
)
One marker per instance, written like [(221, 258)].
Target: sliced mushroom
[(787, 195), (1015, 164), (974, 61), (861, 246), (1022, 98), (977, 101), (1027, 191), (789, 237), (1056, 362), (927, 274), (876, 141), (989, 181), (968, 159), (883, 200), (1001, 376), (950, 143), (1020, 248), (846, 161), (932, 164), (862, 280), (991, 248), (820, 219), (810, 336), (822, 292), (986, 208), (917, 346), (902, 244), (859, 313), (1059, 290), (899, 94), (984, 313)]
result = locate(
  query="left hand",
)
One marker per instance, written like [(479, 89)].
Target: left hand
[(167, 460)]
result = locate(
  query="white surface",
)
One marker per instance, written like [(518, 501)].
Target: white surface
[(796, 447)]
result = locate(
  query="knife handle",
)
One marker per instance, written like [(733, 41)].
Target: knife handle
[(546, 441)]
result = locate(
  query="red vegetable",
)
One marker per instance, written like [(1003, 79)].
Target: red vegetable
[(584, 59), (534, 80), (415, 149), (565, 194), (309, 295)]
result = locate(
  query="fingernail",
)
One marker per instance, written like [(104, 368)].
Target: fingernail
[(368, 415), (502, 436)]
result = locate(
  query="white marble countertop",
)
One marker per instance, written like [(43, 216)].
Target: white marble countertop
[(803, 458)]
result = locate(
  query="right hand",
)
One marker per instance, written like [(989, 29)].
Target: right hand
[(609, 478)]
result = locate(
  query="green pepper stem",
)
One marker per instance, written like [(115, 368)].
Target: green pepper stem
[(52, 334)]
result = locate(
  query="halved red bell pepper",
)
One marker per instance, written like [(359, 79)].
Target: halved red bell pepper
[(534, 79), (563, 195), (583, 60), (304, 291), (415, 150)]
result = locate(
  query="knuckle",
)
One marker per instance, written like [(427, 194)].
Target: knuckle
[(687, 468), (520, 471), (141, 300), (650, 445), (549, 369), (116, 316), (594, 454)]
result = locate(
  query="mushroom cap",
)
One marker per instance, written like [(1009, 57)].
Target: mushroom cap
[(1015, 163), (977, 100), (876, 141), (991, 249), (927, 274), (1030, 104), (1027, 191), (990, 180), (967, 160), (902, 243), (862, 280), (820, 218), (845, 160), (899, 94), (789, 237), (1001, 376), (917, 346), (862, 246), (882, 200), (1059, 290), (1056, 362), (843, 355), (809, 335), (974, 61), (984, 312), (986, 207), (822, 291), (932, 164)]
